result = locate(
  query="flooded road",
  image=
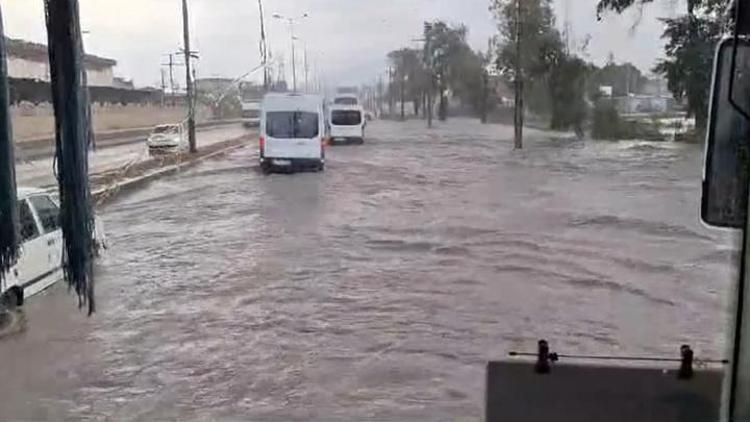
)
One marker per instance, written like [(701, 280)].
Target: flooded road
[(380, 288)]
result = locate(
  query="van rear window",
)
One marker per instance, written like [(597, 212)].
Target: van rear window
[(291, 124), (166, 129), (346, 117), (345, 101)]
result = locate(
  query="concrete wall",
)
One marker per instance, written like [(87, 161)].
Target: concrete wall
[(27, 69), (31, 122)]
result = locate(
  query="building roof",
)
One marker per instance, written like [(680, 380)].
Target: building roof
[(38, 52)]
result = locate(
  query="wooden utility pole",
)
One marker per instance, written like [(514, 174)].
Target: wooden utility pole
[(188, 79), (307, 71), (264, 49), (430, 73), (518, 112), (171, 77), (163, 87), (391, 80), (403, 86)]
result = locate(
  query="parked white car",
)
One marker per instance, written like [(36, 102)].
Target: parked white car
[(40, 262), (167, 139)]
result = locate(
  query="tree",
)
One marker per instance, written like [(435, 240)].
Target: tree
[(409, 75), (567, 86), (541, 44), (553, 81), (623, 78), (689, 50), (445, 48)]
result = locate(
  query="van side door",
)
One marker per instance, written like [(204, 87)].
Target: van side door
[(48, 215), (32, 266)]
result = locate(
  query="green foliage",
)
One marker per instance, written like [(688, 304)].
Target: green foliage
[(567, 85), (606, 124), (408, 69), (623, 78), (446, 65), (605, 121), (688, 66), (554, 81), (689, 50), (445, 52), (540, 40)]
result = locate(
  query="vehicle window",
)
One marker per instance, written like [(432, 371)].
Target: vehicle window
[(48, 212), (291, 124), (29, 230), (253, 113), (345, 101), (166, 129), (346, 117)]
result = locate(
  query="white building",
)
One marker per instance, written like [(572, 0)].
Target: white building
[(28, 60)]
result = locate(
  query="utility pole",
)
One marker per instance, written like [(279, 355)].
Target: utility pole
[(294, 61), (163, 87), (307, 86), (263, 48), (291, 33), (391, 80), (171, 65), (188, 78), (380, 95), (430, 74), (403, 85), (518, 112)]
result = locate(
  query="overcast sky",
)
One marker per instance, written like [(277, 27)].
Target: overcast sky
[(346, 39)]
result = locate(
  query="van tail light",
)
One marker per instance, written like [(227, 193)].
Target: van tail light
[(262, 145)]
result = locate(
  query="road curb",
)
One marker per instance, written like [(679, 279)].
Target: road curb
[(34, 149), (106, 194)]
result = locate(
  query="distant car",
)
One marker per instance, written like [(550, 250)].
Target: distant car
[(292, 131), (41, 256), (167, 139), (251, 114), (346, 124)]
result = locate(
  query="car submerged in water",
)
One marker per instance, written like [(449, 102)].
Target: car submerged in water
[(167, 139), (40, 263)]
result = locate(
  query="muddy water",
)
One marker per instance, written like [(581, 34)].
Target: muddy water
[(380, 288)]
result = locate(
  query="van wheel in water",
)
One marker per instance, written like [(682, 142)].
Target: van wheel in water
[(12, 299)]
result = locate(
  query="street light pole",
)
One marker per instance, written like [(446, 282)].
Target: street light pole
[(188, 79), (294, 60), (307, 81), (293, 38)]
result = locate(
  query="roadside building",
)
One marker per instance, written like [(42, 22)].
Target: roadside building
[(29, 60)]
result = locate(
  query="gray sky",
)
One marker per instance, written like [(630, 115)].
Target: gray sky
[(346, 39)]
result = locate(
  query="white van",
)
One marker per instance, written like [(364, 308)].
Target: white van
[(292, 133), (40, 261), (346, 124), (345, 99)]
